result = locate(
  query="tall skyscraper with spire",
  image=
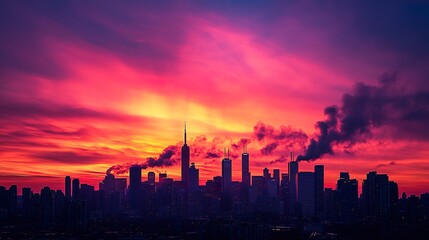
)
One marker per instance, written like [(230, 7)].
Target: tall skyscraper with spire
[(185, 158)]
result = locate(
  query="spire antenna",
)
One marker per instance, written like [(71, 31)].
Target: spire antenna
[(185, 133), (228, 153)]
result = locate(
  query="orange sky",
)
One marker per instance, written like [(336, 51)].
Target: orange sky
[(94, 89)]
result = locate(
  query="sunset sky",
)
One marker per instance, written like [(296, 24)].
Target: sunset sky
[(87, 85)]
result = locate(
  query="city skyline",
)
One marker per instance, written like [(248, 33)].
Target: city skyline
[(91, 87), (240, 162)]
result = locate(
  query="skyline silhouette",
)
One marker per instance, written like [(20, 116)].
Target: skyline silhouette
[(198, 115)]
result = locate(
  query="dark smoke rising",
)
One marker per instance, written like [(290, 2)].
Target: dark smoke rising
[(283, 137), (168, 157), (400, 114)]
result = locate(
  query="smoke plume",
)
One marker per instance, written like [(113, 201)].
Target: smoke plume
[(385, 107)]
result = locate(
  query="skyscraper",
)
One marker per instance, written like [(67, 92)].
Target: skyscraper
[(319, 189), (346, 198), (293, 171), (135, 185), (375, 196), (226, 173), (245, 174), (68, 186), (306, 192), (276, 176), (151, 177), (185, 162), (194, 178), (266, 173), (76, 188)]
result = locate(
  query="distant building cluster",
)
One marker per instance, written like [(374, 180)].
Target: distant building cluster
[(293, 195)]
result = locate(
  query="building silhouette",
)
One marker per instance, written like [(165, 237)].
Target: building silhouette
[(76, 188), (319, 188), (185, 159), (226, 172), (151, 177), (293, 173), (306, 193), (194, 178), (68, 186), (135, 185)]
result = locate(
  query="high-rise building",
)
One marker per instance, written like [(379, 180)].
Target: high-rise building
[(68, 186), (135, 177), (293, 172), (151, 177), (162, 177), (266, 173), (26, 203), (306, 193), (375, 196), (276, 176), (346, 198), (76, 188), (194, 178), (284, 192), (319, 189), (13, 201), (135, 185), (185, 158), (226, 173), (245, 174), (46, 204)]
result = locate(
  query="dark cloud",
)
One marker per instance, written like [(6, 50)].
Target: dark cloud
[(16, 110), (267, 150), (386, 165), (72, 157), (168, 157), (387, 107), (279, 160)]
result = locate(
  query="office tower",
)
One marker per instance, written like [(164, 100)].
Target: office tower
[(293, 171), (375, 196), (68, 187), (284, 192), (135, 177), (266, 173), (245, 174), (330, 208), (162, 177), (346, 198), (194, 178), (135, 185), (151, 177), (109, 183), (306, 193), (226, 173), (276, 176), (185, 162), (393, 200), (76, 187), (121, 185), (319, 189), (13, 201), (26, 203), (46, 205)]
